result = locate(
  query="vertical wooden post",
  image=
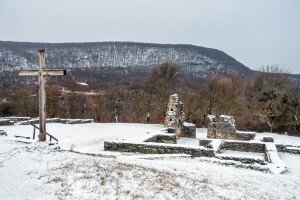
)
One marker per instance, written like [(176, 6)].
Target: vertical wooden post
[(42, 96)]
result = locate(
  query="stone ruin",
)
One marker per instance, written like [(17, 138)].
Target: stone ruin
[(222, 136), (175, 119), (223, 127)]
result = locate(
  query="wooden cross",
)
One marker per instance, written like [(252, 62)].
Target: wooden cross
[(41, 73)]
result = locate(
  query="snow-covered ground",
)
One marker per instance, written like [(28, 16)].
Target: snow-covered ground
[(88, 138), (280, 139), (38, 171)]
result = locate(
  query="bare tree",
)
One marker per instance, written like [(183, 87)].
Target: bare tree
[(53, 98), (266, 94), (97, 107), (21, 100), (221, 94), (144, 95), (164, 79)]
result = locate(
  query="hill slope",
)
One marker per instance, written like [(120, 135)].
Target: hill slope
[(107, 59)]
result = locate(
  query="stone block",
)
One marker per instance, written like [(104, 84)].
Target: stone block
[(188, 130), (268, 139)]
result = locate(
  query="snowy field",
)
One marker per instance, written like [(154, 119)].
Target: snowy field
[(38, 171)]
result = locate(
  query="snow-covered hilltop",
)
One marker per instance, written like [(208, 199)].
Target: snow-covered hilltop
[(119, 57)]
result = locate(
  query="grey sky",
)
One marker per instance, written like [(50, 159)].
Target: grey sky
[(255, 32)]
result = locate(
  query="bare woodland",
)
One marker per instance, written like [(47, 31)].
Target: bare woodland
[(266, 101)]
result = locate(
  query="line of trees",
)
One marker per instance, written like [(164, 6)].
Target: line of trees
[(267, 101)]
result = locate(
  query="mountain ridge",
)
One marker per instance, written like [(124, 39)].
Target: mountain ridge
[(120, 58)]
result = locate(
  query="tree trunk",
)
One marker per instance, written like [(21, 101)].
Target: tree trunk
[(148, 117)]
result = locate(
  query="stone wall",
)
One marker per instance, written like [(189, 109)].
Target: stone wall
[(235, 145), (243, 146), (175, 115), (268, 148), (57, 120), (152, 148), (188, 130), (175, 118), (204, 142), (6, 122), (17, 119), (223, 127), (163, 138), (242, 159), (250, 146), (288, 148)]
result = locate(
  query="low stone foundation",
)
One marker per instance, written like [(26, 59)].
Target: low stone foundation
[(204, 142), (236, 145), (268, 148), (250, 146), (6, 122), (166, 138), (288, 148), (243, 146), (242, 159), (57, 120), (16, 119), (152, 148)]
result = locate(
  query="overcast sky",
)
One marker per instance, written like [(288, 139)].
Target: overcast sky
[(255, 32)]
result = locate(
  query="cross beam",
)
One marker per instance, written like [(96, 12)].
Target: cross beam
[(46, 72), (41, 73)]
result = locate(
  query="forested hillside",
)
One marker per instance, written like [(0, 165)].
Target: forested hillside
[(106, 61)]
